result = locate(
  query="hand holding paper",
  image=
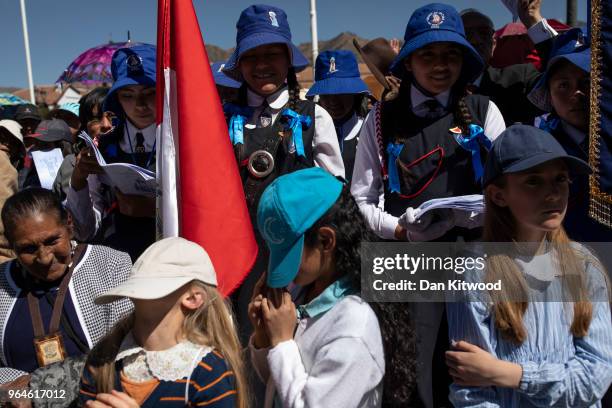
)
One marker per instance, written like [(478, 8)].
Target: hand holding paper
[(126, 177)]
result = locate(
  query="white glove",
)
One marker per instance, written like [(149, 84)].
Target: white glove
[(468, 219), (433, 224)]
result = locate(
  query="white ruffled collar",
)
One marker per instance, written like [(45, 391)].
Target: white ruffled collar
[(171, 364)]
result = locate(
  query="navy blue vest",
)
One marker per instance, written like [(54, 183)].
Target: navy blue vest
[(431, 164), (274, 140)]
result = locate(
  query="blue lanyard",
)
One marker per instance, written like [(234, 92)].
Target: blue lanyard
[(151, 153)]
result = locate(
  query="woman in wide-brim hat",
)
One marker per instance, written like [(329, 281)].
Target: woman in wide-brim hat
[(430, 142), (273, 132), (122, 221), (344, 96)]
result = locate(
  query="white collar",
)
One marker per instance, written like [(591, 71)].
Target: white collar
[(417, 97), (577, 135), (166, 365), (351, 127), (276, 101), (147, 133)]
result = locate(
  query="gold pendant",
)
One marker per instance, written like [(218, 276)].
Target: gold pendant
[(49, 349)]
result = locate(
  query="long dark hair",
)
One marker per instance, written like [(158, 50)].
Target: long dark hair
[(394, 318), (28, 202)]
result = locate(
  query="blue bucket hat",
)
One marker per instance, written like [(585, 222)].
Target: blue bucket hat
[(221, 78), (134, 65), (289, 206), (337, 72), (570, 46), (432, 23), (258, 25), (521, 147)]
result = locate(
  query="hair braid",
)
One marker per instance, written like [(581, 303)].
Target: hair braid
[(463, 117), (294, 89)]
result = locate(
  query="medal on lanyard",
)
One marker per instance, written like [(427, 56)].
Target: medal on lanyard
[(50, 347)]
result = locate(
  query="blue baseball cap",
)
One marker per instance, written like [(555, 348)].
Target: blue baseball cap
[(134, 65), (221, 78), (289, 206), (337, 72), (433, 23), (258, 25), (570, 46), (72, 107), (521, 147)]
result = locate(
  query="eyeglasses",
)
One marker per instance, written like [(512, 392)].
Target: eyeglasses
[(110, 116)]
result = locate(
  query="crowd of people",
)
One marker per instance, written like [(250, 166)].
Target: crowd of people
[(95, 312)]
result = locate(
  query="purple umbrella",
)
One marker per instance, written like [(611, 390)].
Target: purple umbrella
[(93, 66)]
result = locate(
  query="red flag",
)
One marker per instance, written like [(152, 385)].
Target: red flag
[(201, 193)]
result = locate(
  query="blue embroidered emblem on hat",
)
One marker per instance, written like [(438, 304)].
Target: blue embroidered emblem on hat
[(134, 64), (273, 19), (435, 19)]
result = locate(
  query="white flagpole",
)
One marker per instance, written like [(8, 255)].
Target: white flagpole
[(314, 32), (26, 41)]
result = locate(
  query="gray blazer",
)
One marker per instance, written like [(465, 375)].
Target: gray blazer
[(99, 270)]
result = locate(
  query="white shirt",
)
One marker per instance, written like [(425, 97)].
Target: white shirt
[(335, 360), (325, 147), (350, 129), (417, 98), (367, 183), (129, 136)]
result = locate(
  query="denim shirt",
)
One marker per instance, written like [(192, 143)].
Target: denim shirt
[(558, 368)]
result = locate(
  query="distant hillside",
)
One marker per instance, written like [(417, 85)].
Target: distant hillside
[(343, 41), (217, 53)]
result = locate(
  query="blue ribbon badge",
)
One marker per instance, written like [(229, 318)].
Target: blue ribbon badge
[(238, 115), (296, 122), (472, 143), (394, 150), (549, 124)]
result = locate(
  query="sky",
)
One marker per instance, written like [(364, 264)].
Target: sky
[(59, 30)]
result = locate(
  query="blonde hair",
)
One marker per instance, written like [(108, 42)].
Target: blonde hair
[(212, 324), (511, 303)]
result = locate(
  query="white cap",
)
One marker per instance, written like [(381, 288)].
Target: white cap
[(163, 268), (14, 129)]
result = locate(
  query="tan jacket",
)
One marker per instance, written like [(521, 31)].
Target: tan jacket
[(8, 187)]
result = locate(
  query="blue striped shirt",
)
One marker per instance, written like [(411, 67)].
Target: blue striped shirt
[(558, 368)]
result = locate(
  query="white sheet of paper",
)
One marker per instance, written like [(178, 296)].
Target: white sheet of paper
[(473, 203), (127, 177), (47, 165), (512, 6)]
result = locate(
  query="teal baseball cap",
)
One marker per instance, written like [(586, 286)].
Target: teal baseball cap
[(289, 206)]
